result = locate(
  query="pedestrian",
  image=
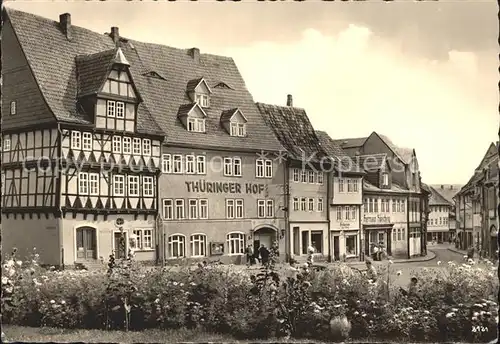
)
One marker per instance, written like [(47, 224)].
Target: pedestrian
[(264, 255), (470, 253), (292, 270), (374, 251), (371, 272), (310, 254), (250, 255), (412, 288)]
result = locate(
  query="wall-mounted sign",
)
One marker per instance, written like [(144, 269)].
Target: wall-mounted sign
[(225, 187), (345, 225), (216, 248), (377, 219)]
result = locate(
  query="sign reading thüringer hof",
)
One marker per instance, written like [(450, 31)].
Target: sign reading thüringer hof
[(225, 187)]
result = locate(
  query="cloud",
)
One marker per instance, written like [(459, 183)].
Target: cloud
[(355, 82)]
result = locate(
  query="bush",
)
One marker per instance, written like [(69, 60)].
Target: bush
[(456, 302)]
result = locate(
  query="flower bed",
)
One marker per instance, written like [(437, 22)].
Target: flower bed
[(455, 303)]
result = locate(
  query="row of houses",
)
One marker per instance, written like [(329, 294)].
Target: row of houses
[(477, 207), (105, 137)]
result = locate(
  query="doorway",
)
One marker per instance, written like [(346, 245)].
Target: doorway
[(86, 243), (336, 247), (120, 241), (264, 236)]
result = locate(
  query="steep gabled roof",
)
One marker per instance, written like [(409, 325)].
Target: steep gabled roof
[(92, 70), (448, 191), (52, 59), (372, 162), (437, 199), (293, 129), (351, 143), (185, 109), (404, 154), (192, 84), (332, 149), (228, 115)]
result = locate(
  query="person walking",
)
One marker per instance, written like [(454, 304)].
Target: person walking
[(264, 255), (250, 255), (310, 254)]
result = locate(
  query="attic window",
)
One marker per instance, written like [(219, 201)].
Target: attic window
[(238, 129), (202, 100), (153, 74), (196, 125), (199, 92), (222, 85), (13, 108)]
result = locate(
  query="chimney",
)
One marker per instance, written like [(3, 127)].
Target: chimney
[(195, 54), (442, 187), (451, 187), (65, 23), (115, 35), (289, 100)]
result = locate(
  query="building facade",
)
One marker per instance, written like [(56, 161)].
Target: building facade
[(438, 226), (80, 167)]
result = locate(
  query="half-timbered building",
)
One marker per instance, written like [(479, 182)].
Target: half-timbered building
[(80, 149)]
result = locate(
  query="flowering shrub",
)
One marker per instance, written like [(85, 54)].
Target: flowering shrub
[(452, 302)]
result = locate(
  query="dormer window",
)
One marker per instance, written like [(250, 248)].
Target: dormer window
[(385, 179), (238, 129), (193, 117), (234, 122), (196, 125), (202, 100), (199, 92)]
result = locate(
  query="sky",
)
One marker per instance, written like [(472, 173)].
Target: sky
[(425, 74)]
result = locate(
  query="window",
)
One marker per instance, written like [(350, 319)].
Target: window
[(144, 238), (133, 185), (166, 163), (399, 234), (238, 129), (76, 142), (403, 234), (202, 99), (87, 141), (355, 185), (228, 166), (6, 145), (196, 125), (193, 209), (317, 241), (259, 168), (398, 205), (83, 183), (295, 203), (303, 204), (393, 205), (261, 208), (179, 209), (177, 163), (387, 210), (176, 246), (203, 213), (190, 164), (93, 184), (394, 234), (310, 177), (303, 176), (341, 185), (385, 179), (13, 108), (320, 204), (311, 204), (117, 144), (147, 186), (269, 168), (146, 147), (320, 178), (375, 205), (239, 209), (198, 245), (382, 203), (120, 110), (370, 205), (403, 205), (235, 243), (118, 185), (347, 211), (168, 209), (339, 213), (237, 166), (350, 188), (229, 208), (296, 175), (365, 205), (351, 245), (137, 146), (353, 213), (111, 108), (200, 164)]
